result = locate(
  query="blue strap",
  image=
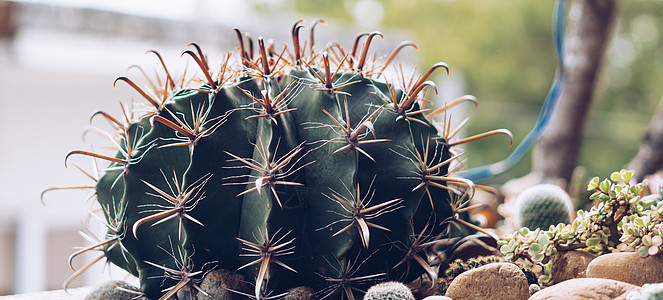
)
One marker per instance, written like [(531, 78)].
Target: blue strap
[(547, 110)]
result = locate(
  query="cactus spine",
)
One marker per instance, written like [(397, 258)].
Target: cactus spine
[(295, 170)]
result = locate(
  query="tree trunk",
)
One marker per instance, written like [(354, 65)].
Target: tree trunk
[(588, 33), (650, 155)]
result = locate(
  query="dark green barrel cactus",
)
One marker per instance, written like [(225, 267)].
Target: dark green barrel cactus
[(294, 167)]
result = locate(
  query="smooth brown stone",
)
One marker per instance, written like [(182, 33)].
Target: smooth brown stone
[(218, 283), (490, 282), (585, 289), (627, 267)]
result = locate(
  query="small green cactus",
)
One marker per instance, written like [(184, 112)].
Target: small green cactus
[(391, 290), (543, 205)]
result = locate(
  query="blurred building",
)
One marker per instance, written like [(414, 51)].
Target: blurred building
[(57, 67)]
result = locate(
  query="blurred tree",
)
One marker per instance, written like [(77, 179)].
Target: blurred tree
[(650, 155), (501, 50)]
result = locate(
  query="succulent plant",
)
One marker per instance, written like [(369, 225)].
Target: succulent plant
[(543, 205), (620, 221), (643, 234), (294, 167), (647, 292), (390, 290)]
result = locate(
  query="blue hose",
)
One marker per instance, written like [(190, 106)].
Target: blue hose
[(547, 110)]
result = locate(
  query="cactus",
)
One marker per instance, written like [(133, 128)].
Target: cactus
[(543, 205), (294, 167), (391, 290)]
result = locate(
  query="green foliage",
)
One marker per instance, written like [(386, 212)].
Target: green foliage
[(298, 169), (620, 220), (533, 246), (643, 233), (543, 205), (390, 290)]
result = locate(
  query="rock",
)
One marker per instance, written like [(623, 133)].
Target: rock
[(301, 293), (570, 264), (492, 281), (627, 267), (115, 290), (218, 283), (585, 288)]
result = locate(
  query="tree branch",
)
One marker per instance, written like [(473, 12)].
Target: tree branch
[(650, 155), (589, 31)]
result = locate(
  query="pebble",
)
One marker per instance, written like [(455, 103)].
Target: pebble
[(585, 289), (627, 267), (490, 282), (218, 282)]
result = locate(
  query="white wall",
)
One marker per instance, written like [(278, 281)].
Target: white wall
[(59, 70)]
